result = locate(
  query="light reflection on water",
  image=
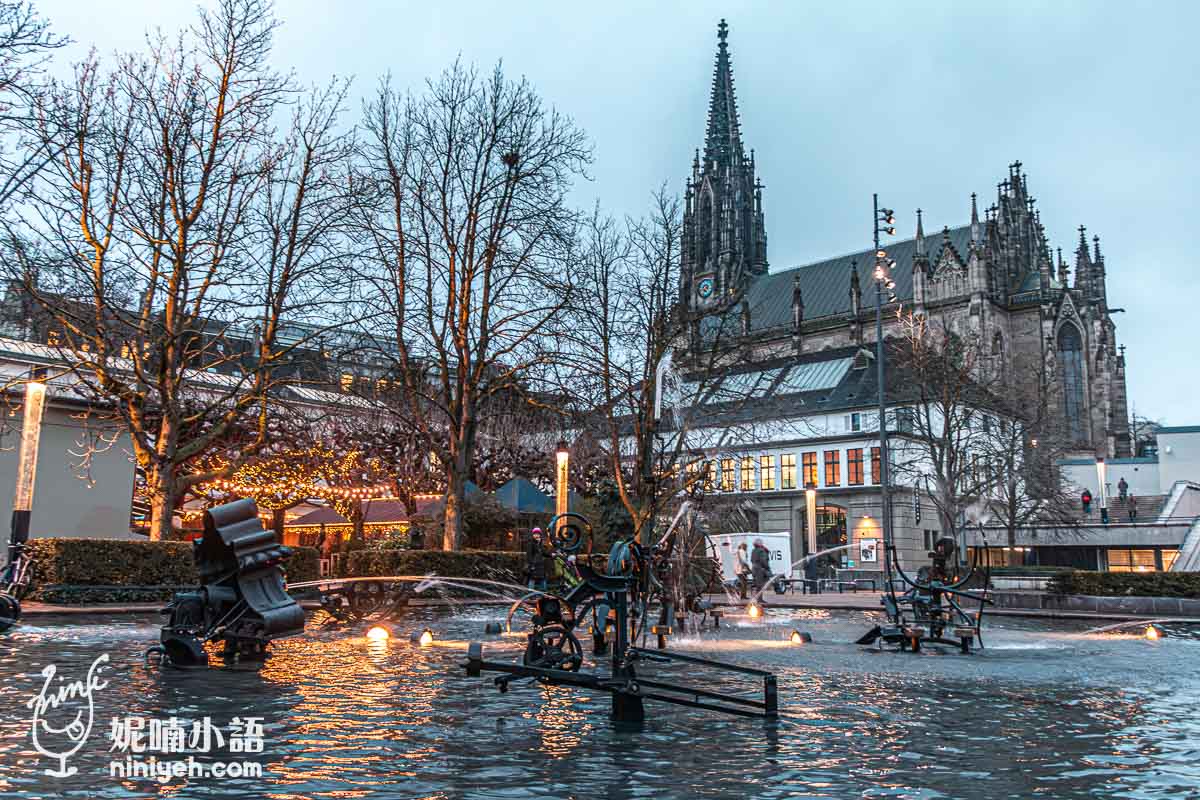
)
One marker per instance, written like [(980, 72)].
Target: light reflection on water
[(1046, 711)]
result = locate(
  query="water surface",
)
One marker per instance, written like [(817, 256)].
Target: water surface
[(1045, 711)]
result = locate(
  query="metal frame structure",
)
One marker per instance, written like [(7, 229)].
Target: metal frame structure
[(931, 606), (618, 603)]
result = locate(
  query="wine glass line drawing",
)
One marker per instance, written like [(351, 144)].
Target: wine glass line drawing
[(64, 709)]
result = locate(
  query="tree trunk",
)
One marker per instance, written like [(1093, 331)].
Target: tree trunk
[(358, 521), (277, 517), (455, 497), (162, 506)]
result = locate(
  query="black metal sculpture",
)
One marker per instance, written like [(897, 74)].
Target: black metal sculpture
[(617, 603), (241, 602), (930, 610)]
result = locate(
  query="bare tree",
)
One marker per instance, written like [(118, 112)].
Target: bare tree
[(176, 236), (648, 378), (948, 415), (468, 232), (1023, 448), (26, 44)]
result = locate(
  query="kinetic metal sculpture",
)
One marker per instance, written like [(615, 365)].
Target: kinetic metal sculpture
[(241, 601), (617, 603), (930, 611)]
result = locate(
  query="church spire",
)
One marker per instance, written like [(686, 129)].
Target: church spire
[(1083, 264), (920, 240), (976, 237), (723, 141)]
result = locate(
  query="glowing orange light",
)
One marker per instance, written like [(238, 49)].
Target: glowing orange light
[(426, 638), (1153, 633), (753, 610), (797, 638), (379, 634)]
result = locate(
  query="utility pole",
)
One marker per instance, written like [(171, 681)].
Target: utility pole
[(882, 281)]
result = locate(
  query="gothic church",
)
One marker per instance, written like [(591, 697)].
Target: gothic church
[(995, 276)]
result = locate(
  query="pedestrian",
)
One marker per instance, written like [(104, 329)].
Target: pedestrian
[(1122, 488), (1086, 497), (535, 562), (741, 569), (1132, 508), (760, 566)]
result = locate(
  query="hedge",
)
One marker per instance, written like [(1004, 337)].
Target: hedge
[(492, 565), (113, 570), (1126, 584)]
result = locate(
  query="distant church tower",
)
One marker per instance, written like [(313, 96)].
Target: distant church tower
[(724, 241)]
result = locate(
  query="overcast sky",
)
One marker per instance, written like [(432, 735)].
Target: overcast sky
[(921, 102)]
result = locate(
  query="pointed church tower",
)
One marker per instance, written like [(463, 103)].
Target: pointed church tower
[(725, 241)]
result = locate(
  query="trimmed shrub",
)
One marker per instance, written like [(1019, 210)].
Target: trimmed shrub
[(492, 565), (112, 562), (112, 570), (1126, 584), (304, 565), (1028, 571)]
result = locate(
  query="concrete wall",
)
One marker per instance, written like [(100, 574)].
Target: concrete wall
[(1178, 456), (1142, 475), (63, 504)]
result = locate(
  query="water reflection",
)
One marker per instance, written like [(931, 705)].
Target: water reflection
[(1047, 710)]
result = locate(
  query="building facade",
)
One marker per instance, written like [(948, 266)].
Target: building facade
[(804, 329)]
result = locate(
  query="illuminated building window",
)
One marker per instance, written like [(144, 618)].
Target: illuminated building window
[(875, 477), (810, 469), (833, 467), (347, 381), (787, 469), (767, 465), (854, 466), (747, 484), (727, 476), (1122, 560)]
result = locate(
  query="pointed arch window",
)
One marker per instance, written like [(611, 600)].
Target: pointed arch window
[(704, 240), (1070, 359)]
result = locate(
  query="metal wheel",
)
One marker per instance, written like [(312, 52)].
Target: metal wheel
[(553, 647), (10, 611)]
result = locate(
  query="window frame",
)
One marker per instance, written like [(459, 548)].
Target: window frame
[(854, 459), (833, 467), (766, 470), (787, 472)]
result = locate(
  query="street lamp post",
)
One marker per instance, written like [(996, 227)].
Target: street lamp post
[(31, 433), (810, 502), (882, 281), (562, 474)]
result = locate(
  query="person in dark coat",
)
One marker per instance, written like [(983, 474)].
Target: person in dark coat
[(535, 562), (760, 565), (1132, 508)]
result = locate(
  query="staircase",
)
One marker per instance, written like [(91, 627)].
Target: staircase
[(1149, 507)]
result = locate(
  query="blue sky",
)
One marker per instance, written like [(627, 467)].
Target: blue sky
[(923, 102)]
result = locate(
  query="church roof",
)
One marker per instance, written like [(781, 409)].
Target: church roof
[(826, 284)]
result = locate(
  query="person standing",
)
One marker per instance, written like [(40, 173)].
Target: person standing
[(741, 569), (1132, 504), (1122, 489), (535, 562), (760, 565)]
